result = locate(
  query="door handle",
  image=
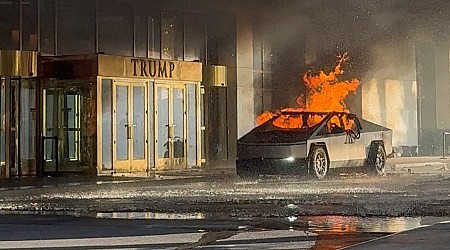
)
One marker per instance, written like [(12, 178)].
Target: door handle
[(171, 131), (129, 128), (130, 134)]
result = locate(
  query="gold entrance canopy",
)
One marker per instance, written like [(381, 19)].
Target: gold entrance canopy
[(18, 63), (120, 66)]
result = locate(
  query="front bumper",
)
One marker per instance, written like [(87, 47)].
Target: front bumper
[(270, 166)]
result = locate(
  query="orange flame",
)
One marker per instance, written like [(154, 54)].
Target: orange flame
[(325, 93), (264, 117)]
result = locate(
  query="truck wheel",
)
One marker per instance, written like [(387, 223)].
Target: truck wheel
[(319, 162), (376, 160)]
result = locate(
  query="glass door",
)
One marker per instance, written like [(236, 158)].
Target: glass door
[(62, 126), (18, 124), (27, 126), (129, 127), (170, 115)]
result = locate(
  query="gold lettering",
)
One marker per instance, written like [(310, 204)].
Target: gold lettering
[(172, 68), (134, 61), (152, 67), (143, 68), (162, 70)]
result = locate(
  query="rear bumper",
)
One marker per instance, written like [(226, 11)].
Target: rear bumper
[(271, 166)]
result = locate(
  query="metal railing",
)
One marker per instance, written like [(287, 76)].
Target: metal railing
[(55, 143)]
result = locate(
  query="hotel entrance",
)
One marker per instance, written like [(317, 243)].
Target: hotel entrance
[(149, 116), (121, 115)]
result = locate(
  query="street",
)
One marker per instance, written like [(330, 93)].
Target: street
[(223, 211), (229, 196), (71, 232)]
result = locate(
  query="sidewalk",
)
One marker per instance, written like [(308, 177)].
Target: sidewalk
[(73, 179), (28, 182), (418, 165)]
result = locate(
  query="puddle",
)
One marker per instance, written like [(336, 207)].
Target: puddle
[(150, 216), (348, 224), (332, 224), (316, 224)]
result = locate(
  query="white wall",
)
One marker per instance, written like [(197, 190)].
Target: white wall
[(389, 91), (393, 104)]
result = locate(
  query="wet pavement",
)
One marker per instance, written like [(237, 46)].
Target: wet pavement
[(346, 209), (321, 232), (435, 236)]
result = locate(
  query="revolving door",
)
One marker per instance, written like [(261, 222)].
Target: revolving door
[(65, 121), (17, 126)]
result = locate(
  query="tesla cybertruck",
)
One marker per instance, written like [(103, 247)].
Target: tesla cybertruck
[(298, 142)]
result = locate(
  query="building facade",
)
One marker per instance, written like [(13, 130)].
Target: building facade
[(114, 87)]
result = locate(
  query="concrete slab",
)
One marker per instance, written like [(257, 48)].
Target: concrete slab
[(418, 168)]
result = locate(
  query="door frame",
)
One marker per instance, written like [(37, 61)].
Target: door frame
[(170, 163), (130, 165)]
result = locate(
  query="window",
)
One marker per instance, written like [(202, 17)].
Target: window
[(172, 36), (47, 31), (75, 27), (115, 28), (147, 33), (194, 39), (9, 25), (29, 25)]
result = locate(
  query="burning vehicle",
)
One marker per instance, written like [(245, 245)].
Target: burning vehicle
[(319, 135), (314, 142)]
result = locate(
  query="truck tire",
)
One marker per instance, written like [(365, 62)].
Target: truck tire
[(318, 162), (376, 160)]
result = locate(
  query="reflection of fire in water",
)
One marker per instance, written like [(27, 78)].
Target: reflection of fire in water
[(336, 224), (325, 93)]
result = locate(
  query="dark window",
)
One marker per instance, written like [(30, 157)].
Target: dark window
[(115, 28), (147, 33), (154, 35), (47, 31), (172, 36), (194, 39), (29, 25), (9, 24), (221, 42), (141, 33), (75, 27)]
